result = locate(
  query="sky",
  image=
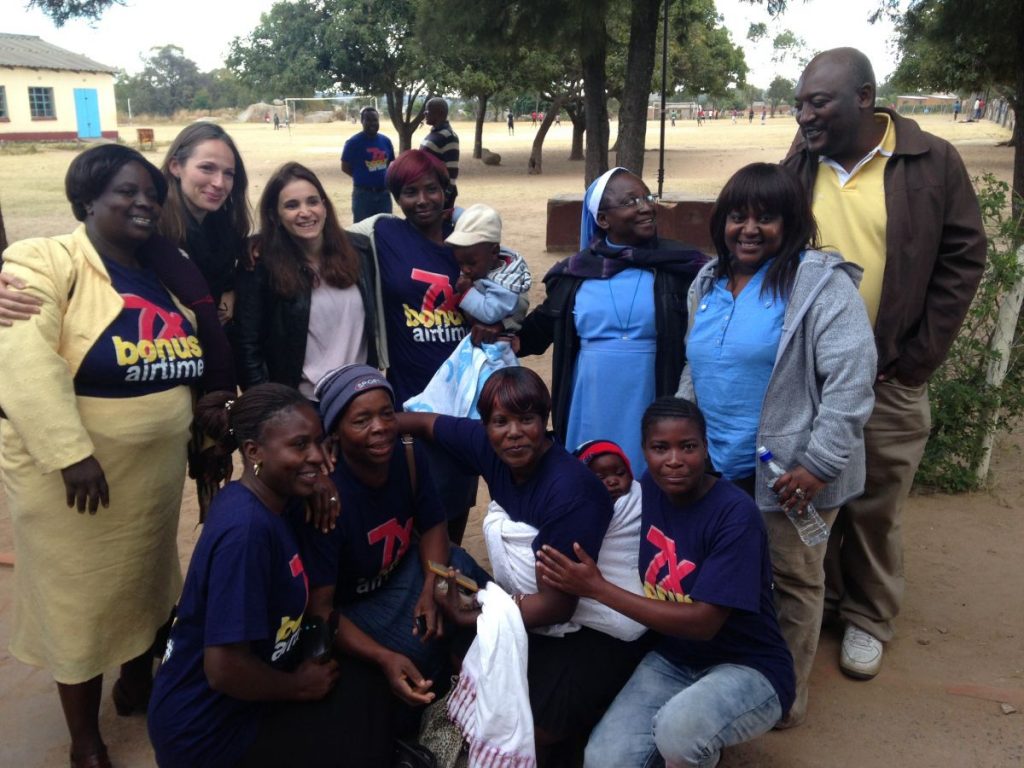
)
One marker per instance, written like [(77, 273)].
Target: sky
[(205, 28)]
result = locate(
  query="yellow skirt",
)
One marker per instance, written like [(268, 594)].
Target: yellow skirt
[(92, 590)]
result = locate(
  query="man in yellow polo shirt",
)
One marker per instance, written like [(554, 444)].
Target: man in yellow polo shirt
[(897, 201)]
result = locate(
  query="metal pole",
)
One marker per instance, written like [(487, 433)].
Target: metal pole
[(664, 86)]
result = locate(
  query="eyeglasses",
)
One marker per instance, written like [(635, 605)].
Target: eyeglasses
[(637, 202)]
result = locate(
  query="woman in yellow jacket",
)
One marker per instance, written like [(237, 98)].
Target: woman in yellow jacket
[(98, 403)]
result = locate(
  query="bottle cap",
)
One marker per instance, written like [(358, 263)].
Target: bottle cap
[(764, 454)]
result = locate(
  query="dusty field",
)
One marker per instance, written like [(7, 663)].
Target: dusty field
[(960, 648)]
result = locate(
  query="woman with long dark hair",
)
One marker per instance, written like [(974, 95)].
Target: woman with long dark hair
[(780, 353), (306, 307)]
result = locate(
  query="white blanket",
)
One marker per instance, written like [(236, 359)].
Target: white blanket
[(510, 548), (491, 700), (455, 387)]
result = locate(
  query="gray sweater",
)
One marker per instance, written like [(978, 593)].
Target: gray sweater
[(821, 389)]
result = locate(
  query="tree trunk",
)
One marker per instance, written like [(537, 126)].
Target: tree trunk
[(401, 113), (535, 165), (643, 38), (1017, 141), (478, 136), (594, 54), (579, 127)]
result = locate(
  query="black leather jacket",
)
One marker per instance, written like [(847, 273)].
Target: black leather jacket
[(271, 331)]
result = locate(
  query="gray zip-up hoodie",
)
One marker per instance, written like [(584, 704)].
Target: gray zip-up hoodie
[(821, 390)]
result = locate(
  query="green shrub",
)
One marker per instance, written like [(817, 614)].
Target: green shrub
[(964, 407)]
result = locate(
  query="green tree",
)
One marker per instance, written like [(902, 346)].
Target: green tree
[(346, 45), (780, 90), (285, 55), (62, 11), (168, 82), (975, 46)]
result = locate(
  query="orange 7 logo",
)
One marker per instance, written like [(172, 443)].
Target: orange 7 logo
[(677, 571), (149, 313), (440, 290), (391, 533)]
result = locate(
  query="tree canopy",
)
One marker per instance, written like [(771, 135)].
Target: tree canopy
[(968, 45)]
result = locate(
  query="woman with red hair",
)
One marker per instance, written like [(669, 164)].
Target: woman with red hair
[(419, 323)]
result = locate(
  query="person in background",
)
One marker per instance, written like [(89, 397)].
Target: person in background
[(366, 157), (237, 686), (867, 170), (443, 143), (308, 304), (616, 314), (719, 673), (97, 396)]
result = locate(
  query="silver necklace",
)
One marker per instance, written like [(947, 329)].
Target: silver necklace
[(629, 316)]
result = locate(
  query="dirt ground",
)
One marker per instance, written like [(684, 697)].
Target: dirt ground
[(958, 660)]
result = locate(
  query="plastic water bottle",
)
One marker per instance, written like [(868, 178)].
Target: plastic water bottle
[(812, 529)]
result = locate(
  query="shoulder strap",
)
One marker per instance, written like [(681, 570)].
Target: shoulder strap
[(410, 461)]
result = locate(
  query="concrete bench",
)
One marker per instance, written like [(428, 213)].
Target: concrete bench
[(680, 218)]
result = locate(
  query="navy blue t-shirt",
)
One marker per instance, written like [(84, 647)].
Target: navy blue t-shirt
[(149, 347), (369, 159), (374, 530), (420, 306), (563, 499), (246, 584), (715, 551)]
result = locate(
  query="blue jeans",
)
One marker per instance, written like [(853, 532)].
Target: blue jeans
[(386, 613), (366, 202), (682, 715)]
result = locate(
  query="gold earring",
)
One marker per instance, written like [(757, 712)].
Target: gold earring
[(256, 467)]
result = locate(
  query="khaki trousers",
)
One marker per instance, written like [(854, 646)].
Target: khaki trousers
[(799, 597), (864, 562)]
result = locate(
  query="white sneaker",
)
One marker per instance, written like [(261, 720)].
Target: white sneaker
[(861, 656)]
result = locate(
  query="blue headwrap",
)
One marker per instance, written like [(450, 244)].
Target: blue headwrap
[(591, 204)]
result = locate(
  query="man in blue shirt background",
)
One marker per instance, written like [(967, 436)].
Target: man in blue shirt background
[(365, 158)]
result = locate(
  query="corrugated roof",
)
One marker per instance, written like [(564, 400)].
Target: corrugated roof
[(32, 52)]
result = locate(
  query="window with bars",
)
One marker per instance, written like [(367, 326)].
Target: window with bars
[(3, 103), (40, 103)]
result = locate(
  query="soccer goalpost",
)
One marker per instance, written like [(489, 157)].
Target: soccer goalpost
[(325, 109)]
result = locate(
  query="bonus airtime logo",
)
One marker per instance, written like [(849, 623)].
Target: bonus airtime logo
[(438, 318)]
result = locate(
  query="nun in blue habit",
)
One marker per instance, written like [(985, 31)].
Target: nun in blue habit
[(616, 314)]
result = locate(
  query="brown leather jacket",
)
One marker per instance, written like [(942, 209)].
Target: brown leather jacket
[(935, 249)]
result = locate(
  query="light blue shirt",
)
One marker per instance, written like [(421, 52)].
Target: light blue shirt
[(731, 352)]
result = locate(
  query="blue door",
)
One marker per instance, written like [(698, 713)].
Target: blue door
[(87, 113)]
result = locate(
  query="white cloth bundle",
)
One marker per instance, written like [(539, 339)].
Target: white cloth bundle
[(491, 701), (510, 549), (456, 386)]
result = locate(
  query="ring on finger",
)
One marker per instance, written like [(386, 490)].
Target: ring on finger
[(333, 499), (800, 494)]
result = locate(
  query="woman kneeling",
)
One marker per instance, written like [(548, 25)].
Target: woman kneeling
[(233, 689), (720, 673)]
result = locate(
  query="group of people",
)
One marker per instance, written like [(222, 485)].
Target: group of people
[(324, 604)]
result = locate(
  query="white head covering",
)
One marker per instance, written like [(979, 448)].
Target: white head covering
[(591, 204)]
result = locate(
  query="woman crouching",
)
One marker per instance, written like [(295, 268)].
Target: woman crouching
[(233, 689), (720, 672)]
